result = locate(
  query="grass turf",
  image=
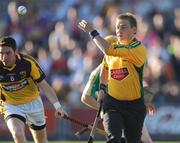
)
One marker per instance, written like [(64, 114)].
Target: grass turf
[(86, 142)]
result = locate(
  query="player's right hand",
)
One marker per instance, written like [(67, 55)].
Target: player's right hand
[(101, 96), (85, 26), (60, 113)]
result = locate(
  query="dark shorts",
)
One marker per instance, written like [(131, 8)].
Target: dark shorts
[(127, 115)]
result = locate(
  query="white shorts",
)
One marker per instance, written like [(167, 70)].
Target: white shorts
[(31, 113)]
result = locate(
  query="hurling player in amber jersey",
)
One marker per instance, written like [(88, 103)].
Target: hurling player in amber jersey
[(91, 90), (123, 64), (20, 80)]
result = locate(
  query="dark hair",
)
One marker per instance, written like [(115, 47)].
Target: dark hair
[(8, 41), (130, 17)]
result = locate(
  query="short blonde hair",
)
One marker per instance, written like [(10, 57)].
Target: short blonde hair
[(130, 17)]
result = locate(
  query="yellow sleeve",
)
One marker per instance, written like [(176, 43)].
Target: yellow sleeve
[(134, 53), (36, 72)]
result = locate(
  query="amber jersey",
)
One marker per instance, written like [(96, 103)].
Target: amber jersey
[(125, 64), (19, 83)]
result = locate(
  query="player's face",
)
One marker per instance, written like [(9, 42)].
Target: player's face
[(7, 56), (124, 31)]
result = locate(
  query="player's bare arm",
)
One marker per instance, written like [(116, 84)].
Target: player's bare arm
[(103, 83), (92, 86), (90, 101), (102, 44), (51, 95)]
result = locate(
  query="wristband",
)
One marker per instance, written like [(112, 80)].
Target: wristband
[(103, 87), (93, 34), (57, 105)]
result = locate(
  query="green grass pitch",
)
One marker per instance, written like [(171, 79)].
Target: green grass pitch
[(86, 142)]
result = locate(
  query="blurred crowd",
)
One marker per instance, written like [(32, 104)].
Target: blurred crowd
[(49, 33)]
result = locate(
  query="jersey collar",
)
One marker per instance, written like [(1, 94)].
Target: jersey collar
[(126, 42)]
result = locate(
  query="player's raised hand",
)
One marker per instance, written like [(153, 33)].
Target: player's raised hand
[(85, 26)]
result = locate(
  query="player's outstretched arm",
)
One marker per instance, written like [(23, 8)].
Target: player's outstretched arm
[(51, 95)]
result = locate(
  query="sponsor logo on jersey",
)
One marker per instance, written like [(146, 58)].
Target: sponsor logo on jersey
[(11, 76), (119, 74), (15, 86)]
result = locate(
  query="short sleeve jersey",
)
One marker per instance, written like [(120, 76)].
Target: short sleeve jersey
[(125, 65), (19, 83)]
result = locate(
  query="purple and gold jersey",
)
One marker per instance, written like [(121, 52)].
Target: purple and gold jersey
[(19, 83), (125, 65)]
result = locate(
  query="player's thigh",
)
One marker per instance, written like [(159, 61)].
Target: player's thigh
[(14, 118), (35, 115), (133, 123), (113, 123), (36, 121), (133, 131), (16, 126)]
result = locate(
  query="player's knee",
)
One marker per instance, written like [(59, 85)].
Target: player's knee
[(18, 136)]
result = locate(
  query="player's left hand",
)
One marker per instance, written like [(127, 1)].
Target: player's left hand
[(85, 26), (150, 108), (60, 112)]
